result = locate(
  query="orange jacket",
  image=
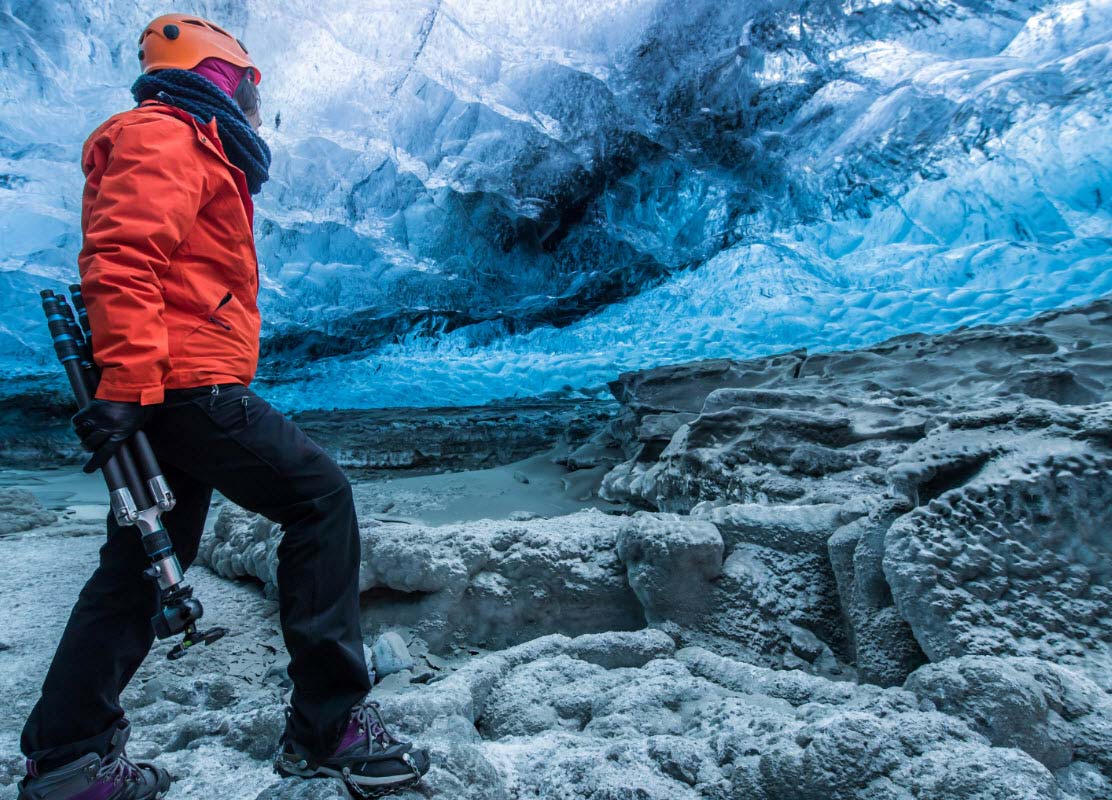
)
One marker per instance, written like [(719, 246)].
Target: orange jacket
[(168, 265)]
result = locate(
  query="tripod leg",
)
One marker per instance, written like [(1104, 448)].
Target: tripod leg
[(108, 634)]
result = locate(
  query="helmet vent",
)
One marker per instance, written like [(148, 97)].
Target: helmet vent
[(171, 32)]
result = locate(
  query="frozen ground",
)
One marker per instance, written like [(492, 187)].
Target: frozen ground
[(42, 575), (599, 716), (876, 575)]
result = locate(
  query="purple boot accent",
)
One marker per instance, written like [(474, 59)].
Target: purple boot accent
[(360, 728), (369, 760), (352, 735), (91, 777), (112, 776)]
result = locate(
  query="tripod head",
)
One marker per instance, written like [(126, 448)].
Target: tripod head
[(178, 613)]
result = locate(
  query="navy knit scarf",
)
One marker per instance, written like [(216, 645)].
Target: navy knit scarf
[(204, 99)]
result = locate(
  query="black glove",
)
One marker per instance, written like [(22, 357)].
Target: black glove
[(104, 425)]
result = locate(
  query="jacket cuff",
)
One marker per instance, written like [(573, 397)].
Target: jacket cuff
[(144, 395)]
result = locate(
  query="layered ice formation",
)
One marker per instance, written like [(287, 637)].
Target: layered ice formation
[(473, 200)]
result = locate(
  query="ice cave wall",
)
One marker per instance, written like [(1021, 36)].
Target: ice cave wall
[(474, 200)]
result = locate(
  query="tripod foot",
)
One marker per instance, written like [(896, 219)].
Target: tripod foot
[(194, 638)]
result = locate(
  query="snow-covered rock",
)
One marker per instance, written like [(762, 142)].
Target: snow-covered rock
[(883, 645), (649, 655), (825, 427), (927, 497), (536, 720), (770, 605), (488, 583), (1053, 714), (21, 511), (863, 575), (672, 563)]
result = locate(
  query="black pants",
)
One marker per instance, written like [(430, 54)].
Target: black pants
[(229, 439)]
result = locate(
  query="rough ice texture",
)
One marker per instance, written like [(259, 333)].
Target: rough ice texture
[(850, 514), (495, 583), (545, 719), (1018, 559), (825, 427), (761, 603), (1058, 717), (879, 638), (930, 497)]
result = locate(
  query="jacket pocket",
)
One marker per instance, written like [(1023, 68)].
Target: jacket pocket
[(212, 316)]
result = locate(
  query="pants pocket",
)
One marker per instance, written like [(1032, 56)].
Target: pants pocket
[(231, 406)]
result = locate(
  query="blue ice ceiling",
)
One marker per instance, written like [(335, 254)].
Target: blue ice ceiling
[(475, 200)]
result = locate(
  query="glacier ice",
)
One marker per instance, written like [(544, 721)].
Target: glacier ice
[(473, 200)]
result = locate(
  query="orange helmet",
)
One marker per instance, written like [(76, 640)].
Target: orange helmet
[(182, 41)]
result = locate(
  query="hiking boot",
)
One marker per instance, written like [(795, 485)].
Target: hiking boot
[(114, 777), (369, 759)]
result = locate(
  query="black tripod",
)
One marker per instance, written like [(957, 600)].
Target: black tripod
[(137, 490)]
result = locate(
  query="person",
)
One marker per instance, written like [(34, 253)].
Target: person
[(170, 279)]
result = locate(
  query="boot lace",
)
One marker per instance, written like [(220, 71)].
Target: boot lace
[(118, 770), (370, 721)]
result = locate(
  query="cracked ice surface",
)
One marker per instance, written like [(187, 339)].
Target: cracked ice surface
[(475, 200)]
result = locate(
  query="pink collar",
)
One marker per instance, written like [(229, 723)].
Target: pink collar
[(226, 76)]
